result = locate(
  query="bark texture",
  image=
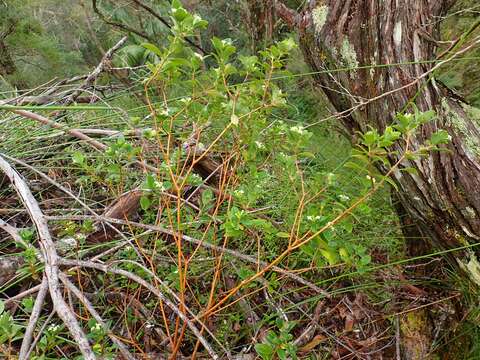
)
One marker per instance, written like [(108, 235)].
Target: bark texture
[(7, 66), (444, 197), (261, 22)]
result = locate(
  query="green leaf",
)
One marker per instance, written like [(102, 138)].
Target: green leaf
[(248, 62), (370, 137), (389, 137), (411, 170), (287, 45), (152, 48), (78, 158), (178, 12), (329, 255), (265, 351), (176, 4), (440, 137), (426, 116), (282, 354), (145, 202), (282, 234), (149, 182)]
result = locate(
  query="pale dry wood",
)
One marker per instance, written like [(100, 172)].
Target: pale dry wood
[(49, 253), (34, 317)]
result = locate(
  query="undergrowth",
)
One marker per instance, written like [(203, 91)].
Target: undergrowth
[(219, 165)]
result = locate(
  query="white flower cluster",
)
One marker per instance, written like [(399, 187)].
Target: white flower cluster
[(313, 218), (239, 192), (95, 328), (259, 145), (159, 185), (53, 328), (299, 130)]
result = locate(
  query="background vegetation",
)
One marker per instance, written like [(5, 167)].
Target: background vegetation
[(220, 147)]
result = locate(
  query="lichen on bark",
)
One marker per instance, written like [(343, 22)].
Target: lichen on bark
[(319, 17), (472, 143), (348, 55)]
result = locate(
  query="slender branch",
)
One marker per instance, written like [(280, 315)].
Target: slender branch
[(121, 346), (165, 22), (288, 15), (50, 257), (74, 132), (32, 321), (96, 72), (150, 287), (207, 245), (119, 25)]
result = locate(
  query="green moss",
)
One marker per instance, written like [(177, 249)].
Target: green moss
[(319, 17)]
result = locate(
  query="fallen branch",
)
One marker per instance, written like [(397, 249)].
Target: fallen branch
[(122, 348), (32, 321), (50, 259), (204, 244), (105, 62), (45, 99), (150, 287)]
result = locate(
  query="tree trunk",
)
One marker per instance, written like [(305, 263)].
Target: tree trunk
[(260, 22), (7, 66), (444, 197)]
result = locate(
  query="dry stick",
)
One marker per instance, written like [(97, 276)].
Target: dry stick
[(204, 244), (50, 257), (74, 132), (40, 333), (69, 193), (11, 230), (165, 22), (150, 287), (23, 294), (76, 291), (175, 296), (32, 321), (144, 312), (78, 134), (96, 72)]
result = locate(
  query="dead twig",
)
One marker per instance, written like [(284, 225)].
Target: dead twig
[(151, 288), (236, 254), (96, 72), (32, 321), (50, 257), (121, 346)]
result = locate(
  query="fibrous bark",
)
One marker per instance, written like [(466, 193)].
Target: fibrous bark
[(346, 42), (260, 22)]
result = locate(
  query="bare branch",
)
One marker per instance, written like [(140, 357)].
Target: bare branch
[(96, 72), (165, 22), (51, 259), (122, 348), (32, 321), (119, 25), (151, 288), (204, 244), (289, 16)]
